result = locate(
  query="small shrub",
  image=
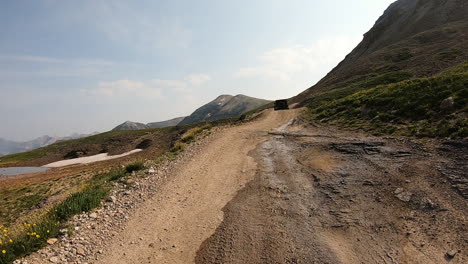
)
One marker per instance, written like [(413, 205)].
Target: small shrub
[(136, 166)]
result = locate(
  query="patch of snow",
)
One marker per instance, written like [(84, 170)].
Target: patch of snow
[(90, 159)]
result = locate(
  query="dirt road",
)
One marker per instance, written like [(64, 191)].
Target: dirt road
[(170, 227), (305, 195)]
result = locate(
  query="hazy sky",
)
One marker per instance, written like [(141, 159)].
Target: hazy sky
[(88, 65)]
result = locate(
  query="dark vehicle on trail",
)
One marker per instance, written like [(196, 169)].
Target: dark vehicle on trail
[(281, 105)]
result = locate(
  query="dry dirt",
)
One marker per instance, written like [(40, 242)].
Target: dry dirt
[(188, 208), (279, 191)]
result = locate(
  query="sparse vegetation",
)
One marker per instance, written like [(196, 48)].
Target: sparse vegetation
[(190, 135), (17, 200), (449, 55), (363, 84), (399, 56)]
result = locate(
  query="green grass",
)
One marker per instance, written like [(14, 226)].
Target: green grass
[(83, 201), (410, 107)]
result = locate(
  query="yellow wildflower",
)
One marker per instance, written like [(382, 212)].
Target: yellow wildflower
[(38, 236), (4, 251), (11, 240)]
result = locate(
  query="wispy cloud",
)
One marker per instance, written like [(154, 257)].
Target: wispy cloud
[(282, 63), (125, 87), (197, 79), (50, 66), (153, 89)]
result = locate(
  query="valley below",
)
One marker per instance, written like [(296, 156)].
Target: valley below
[(281, 190)]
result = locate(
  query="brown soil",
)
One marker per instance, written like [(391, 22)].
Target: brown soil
[(312, 196)]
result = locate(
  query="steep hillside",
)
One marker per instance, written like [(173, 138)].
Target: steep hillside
[(225, 106), (413, 39), (167, 123), (130, 125)]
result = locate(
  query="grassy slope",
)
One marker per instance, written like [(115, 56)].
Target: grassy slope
[(408, 107), (113, 142)]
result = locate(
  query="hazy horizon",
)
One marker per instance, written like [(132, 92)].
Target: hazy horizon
[(79, 67)]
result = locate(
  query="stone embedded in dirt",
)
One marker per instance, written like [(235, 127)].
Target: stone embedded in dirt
[(80, 251), (151, 170), (404, 196), (451, 254), (93, 215), (111, 199), (54, 260), (51, 241), (399, 190)]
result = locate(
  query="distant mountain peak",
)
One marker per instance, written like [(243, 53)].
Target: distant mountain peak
[(224, 106), (130, 125)]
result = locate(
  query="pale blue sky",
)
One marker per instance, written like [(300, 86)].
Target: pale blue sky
[(84, 66)]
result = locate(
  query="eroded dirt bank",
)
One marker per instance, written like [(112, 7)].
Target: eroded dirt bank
[(323, 196)]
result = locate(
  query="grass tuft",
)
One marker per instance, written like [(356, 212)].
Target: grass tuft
[(135, 166)]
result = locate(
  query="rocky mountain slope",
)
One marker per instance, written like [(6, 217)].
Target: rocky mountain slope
[(224, 106), (130, 125), (167, 123), (413, 40)]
